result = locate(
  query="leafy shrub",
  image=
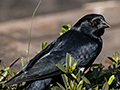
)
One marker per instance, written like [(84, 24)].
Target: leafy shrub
[(6, 72), (95, 78)]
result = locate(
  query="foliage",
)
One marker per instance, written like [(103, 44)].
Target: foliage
[(65, 28), (95, 78), (6, 73), (75, 78)]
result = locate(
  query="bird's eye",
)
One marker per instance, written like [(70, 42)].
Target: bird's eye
[(96, 22)]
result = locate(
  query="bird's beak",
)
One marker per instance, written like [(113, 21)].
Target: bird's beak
[(104, 24)]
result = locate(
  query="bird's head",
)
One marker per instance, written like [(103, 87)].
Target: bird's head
[(92, 25)]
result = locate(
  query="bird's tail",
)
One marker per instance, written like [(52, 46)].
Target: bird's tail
[(38, 85)]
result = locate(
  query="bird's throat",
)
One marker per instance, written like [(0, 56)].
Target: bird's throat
[(99, 32)]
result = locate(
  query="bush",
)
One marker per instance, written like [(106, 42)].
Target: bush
[(94, 78)]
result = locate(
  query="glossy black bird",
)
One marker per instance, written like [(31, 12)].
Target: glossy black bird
[(83, 42)]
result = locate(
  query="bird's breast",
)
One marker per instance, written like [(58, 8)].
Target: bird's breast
[(86, 51)]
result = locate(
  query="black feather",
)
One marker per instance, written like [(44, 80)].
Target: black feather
[(83, 42)]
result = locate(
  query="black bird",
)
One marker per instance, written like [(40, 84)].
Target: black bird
[(83, 42)]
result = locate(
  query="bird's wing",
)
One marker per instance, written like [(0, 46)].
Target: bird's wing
[(33, 61), (43, 65), (82, 48), (38, 56), (54, 47)]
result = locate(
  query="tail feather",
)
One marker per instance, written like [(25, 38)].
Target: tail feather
[(14, 80), (38, 85)]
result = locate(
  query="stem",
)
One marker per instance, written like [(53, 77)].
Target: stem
[(31, 29)]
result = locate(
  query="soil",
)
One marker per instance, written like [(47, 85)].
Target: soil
[(14, 34)]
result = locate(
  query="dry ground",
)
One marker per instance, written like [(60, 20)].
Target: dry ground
[(14, 34)]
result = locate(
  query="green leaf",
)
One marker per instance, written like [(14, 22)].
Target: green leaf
[(61, 33), (56, 88), (112, 59), (68, 62), (11, 73), (105, 86), (73, 64), (72, 60), (79, 86), (97, 65), (111, 79), (107, 75), (65, 28), (7, 68), (73, 75), (61, 87), (65, 80), (78, 75), (61, 68), (87, 82), (22, 63), (3, 75), (116, 56), (97, 88), (71, 85), (43, 45), (84, 88), (14, 62)]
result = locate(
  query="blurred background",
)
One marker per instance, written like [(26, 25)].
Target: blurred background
[(16, 17)]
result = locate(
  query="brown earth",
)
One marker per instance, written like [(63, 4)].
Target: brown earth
[(14, 34)]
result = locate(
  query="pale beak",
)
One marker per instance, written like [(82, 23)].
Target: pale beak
[(104, 24)]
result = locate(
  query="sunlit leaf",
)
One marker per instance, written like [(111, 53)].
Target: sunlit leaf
[(65, 28), (11, 73), (3, 75), (65, 80), (71, 85), (112, 59), (79, 86), (97, 88), (43, 45), (61, 68), (116, 56), (7, 68), (73, 64), (73, 75), (111, 79), (68, 61), (107, 75)]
